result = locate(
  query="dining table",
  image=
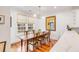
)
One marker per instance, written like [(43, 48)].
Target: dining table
[(32, 37)]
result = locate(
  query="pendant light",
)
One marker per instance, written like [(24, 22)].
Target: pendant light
[(39, 14)]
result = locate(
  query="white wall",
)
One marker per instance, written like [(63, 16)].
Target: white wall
[(13, 31), (5, 28), (62, 20), (21, 18), (17, 16), (39, 24), (70, 17)]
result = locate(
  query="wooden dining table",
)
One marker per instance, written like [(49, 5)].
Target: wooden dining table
[(32, 37)]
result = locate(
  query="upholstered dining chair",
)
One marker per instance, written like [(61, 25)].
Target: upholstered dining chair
[(32, 44), (39, 38), (33, 31), (46, 37), (26, 33)]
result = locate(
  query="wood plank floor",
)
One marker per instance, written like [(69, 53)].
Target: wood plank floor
[(42, 48), (45, 47)]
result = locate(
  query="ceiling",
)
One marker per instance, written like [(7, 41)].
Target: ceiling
[(44, 10)]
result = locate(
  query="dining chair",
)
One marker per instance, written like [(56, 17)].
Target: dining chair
[(32, 43), (46, 37), (33, 31), (3, 46), (26, 33), (39, 38)]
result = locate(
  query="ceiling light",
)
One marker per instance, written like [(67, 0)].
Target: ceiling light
[(43, 17), (34, 15), (39, 9), (55, 7)]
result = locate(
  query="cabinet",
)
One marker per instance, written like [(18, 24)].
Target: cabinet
[(24, 23), (30, 27), (21, 27)]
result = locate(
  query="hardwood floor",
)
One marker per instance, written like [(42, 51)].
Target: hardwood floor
[(42, 48), (45, 47)]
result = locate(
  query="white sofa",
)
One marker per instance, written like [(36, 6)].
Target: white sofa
[(68, 42)]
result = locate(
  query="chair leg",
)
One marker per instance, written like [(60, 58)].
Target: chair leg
[(40, 43)]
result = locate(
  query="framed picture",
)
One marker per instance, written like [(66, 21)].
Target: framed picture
[(2, 19), (51, 23)]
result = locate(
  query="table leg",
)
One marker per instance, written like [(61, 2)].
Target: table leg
[(21, 45), (27, 45), (4, 46)]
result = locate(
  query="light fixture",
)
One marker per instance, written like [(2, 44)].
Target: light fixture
[(34, 15), (39, 15), (42, 17), (55, 7), (29, 13)]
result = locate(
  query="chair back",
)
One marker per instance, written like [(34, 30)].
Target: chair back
[(2, 46), (26, 33), (31, 43), (29, 32)]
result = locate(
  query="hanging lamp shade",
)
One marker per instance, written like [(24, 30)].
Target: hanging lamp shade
[(39, 12)]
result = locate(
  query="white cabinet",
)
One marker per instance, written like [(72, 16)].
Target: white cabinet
[(21, 27), (30, 27), (24, 27), (22, 19), (24, 23)]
